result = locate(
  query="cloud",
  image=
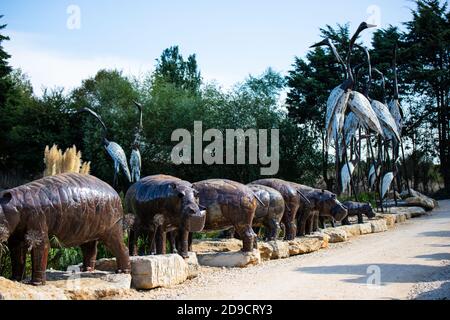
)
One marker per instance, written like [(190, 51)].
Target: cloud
[(51, 68)]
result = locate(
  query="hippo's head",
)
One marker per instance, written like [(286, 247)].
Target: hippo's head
[(339, 211), (4, 225), (329, 205), (368, 210), (194, 215)]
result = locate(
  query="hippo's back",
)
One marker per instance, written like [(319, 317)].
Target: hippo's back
[(272, 199), (76, 208), (224, 192), (61, 191), (156, 187)]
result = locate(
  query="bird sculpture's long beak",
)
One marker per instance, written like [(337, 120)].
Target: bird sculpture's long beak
[(371, 25), (319, 44)]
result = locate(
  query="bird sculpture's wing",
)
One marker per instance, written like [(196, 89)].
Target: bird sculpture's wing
[(373, 175), (386, 183), (117, 154), (345, 176), (336, 105), (360, 105), (385, 118), (351, 124), (135, 164), (394, 109)]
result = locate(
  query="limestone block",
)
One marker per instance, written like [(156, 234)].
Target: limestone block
[(236, 259), (150, 272)]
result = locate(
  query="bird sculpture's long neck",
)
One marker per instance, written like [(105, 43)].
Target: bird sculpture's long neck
[(383, 82), (350, 78), (338, 57), (395, 74)]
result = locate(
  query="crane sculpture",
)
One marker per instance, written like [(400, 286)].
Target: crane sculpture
[(135, 157), (343, 98), (349, 111), (114, 150)]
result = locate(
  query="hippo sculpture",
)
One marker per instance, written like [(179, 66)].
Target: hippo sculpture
[(324, 204), (163, 204), (270, 214), (291, 201), (76, 209), (229, 204), (358, 209)]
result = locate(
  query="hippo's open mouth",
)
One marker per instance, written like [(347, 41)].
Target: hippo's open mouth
[(196, 222)]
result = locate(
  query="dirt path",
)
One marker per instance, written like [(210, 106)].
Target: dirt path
[(412, 260)]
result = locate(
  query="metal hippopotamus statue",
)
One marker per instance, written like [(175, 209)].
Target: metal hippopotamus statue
[(77, 209), (292, 201), (324, 204), (163, 204), (270, 214), (229, 204), (358, 209)]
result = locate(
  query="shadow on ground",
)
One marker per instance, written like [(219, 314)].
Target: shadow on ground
[(389, 273), (436, 256), (443, 234)]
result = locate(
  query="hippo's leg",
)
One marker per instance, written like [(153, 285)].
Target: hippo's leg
[(272, 229), (151, 240), (39, 256), (360, 219), (18, 253), (89, 251), (333, 224), (114, 242), (248, 237), (161, 241), (173, 241), (184, 243), (190, 241), (316, 218), (132, 242), (283, 230), (345, 221)]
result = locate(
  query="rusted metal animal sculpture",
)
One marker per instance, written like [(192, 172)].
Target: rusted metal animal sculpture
[(323, 204), (229, 204), (358, 209), (292, 204), (76, 209), (270, 214), (163, 204)]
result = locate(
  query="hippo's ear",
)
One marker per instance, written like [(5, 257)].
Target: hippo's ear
[(5, 198)]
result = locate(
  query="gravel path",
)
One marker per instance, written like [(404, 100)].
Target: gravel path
[(411, 261)]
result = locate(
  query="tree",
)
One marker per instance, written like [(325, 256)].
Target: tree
[(428, 40), (111, 95), (172, 68), (5, 69)]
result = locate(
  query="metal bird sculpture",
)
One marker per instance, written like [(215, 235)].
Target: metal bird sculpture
[(344, 96), (135, 157), (384, 115), (386, 183), (114, 150), (394, 105)]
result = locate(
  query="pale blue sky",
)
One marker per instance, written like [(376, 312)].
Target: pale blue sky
[(231, 38)]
